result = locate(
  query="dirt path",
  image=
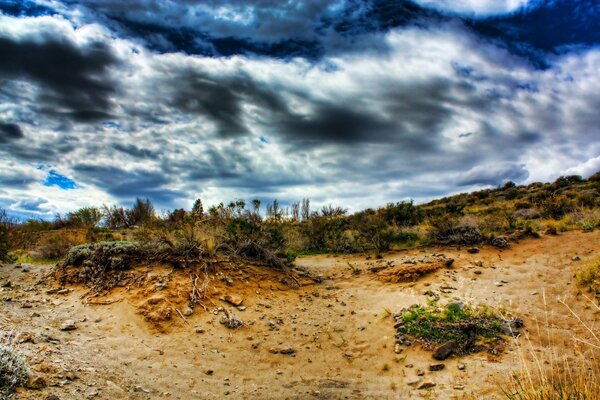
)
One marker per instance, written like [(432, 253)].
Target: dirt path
[(339, 331)]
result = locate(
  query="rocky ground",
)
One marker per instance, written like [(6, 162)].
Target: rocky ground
[(330, 337)]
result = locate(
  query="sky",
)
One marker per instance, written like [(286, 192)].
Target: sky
[(352, 103)]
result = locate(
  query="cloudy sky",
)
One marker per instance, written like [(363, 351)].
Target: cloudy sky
[(354, 103)]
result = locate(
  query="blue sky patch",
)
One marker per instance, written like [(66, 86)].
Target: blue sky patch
[(54, 178)]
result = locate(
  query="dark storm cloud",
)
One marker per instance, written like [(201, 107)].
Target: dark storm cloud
[(494, 174), (220, 98), (314, 29), (74, 80), (135, 151), (127, 185), (10, 132)]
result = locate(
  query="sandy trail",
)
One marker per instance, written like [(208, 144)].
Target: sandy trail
[(340, 330)]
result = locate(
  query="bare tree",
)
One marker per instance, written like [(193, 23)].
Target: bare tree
[(305, 212), (295, 211)]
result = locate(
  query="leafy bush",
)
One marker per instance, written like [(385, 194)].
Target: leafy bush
[(327, 234), (265, 242), (373, 233), (402, 214), (13, 370), (86, 217)]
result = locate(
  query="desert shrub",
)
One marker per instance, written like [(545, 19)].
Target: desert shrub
[(99, 265), (446, 229), (13, 370), (56, 244), (555, 206), (86, 217), (115, 217), (433, 325), (251, 239), (327, 234), (373, 233), (522, 205), (4, 247), (527, 213), (588, 277), (402, 214), (587, 198), (141, 213), (595, 177), (103, 253)]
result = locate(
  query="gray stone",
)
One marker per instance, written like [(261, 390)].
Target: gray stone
[(68, 325)]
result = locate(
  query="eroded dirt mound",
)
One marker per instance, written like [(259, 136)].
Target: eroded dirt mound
[(409, 269)]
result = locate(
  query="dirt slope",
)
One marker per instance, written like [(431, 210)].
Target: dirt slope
[(339, 331)]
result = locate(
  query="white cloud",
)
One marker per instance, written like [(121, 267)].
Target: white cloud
[(477, 7), (463, 110)]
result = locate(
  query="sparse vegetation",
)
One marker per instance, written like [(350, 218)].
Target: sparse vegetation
[(13, 370), (588, 277), (492, 216), (435, 325)]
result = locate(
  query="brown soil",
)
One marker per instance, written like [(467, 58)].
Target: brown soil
[(138, 342)]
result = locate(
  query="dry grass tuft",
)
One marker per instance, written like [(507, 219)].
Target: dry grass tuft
[(547, 375)]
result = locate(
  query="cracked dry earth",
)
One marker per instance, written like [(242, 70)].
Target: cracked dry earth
[(328, 340)]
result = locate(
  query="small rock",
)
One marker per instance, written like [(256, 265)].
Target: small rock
[(233, 300), (420, 372), (461, 366), (288, 350), (414, 382), (477, 272), (473, 250), (437, 367), (68, 325), (141, 389), (458, 387), (534, 293), (511, 327), (36, 382), (52, 397), (63, 291), (498, 284), (26, 305), (426, 385), (576, 258), (187, 311), (25, 337), (7, 284), (231, 321), (397, 348), (444, 351)]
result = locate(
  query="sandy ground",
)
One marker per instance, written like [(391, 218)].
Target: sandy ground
[(340, 329)]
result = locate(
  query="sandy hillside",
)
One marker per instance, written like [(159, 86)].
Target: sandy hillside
[(328, 339)]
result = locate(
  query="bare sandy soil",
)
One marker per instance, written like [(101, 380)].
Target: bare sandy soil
[(339, 332)]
